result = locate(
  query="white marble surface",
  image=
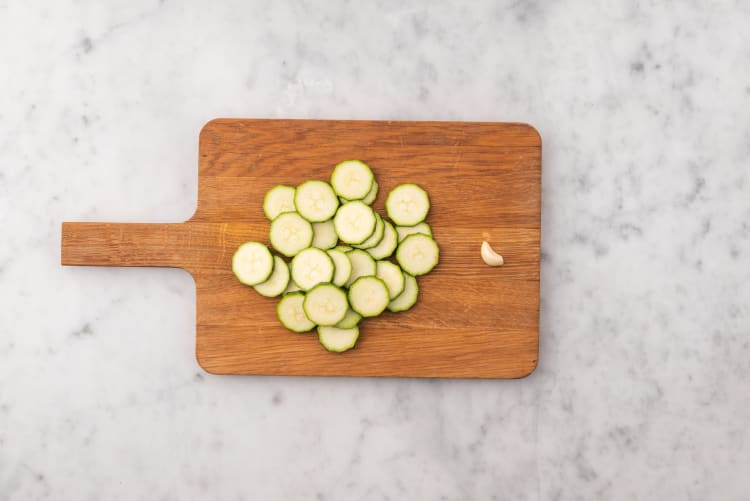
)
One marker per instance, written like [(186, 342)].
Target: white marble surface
[(643, 387)]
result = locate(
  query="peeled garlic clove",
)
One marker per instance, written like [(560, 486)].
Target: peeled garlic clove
[(491, 257)]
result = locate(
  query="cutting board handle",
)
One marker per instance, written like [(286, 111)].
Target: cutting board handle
[(124, 244)]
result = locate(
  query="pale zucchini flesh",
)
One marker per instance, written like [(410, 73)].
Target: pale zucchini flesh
[(291, 287), (362, 265), (290, 233), (342, 267), (325, 304), (418, 254), (291, 313), (368, 296), (352, 179), (278, 200), (405, 231), (354, 222), (315, 201), (324, 235), (369, 198), (408, 296), (311, 267), (407, 204), (252, 263), (277, 282), (392, 277), (336, 339), (387, 244), (351, 319), (372, 194), (377, 234)]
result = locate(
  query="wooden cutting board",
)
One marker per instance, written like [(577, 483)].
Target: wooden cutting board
[(471, 321)]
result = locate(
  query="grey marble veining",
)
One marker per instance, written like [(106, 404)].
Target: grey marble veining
[(643, 386)]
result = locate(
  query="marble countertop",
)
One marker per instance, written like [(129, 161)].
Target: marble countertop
[(643, 385)]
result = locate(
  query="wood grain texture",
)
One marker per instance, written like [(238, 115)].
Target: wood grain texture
[(471, 321)]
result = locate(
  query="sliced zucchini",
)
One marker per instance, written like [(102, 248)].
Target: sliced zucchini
[(368, 296), (405, 231), (372, 194), (290, 233), (387, 245), (315, 201), (342, 267), (376, 236), (407, 204), (252, 263), (324, 235), (325, 304), (362, 265), (278, 199), (291, 287), (351, 319), (338, 340), (277, 282), (311, 267), (392, 277), (336, 241), (354, 222), (291, 313), (408, 297), (352, 179), (418, 254), (369, 198)]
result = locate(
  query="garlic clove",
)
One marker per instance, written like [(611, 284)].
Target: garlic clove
[(491, 257)]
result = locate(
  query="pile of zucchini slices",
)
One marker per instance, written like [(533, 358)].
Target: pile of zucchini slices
[(340, 250)]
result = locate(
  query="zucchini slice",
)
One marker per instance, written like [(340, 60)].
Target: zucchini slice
[(392, 277), (387, 245), (377, 234), (352, 179), (252, 263), (408, 297), (325, 304), (324, 235), (354, 222), (311, 267), (277, 282), (290, 233), (405, 231), (291, 287), (278, 200), (407, 204), (372, 194), (342, 267), (351, 319), (315, 201), (291, 314), (338, 340), (362, 265), (368, 296), (418, 254)]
